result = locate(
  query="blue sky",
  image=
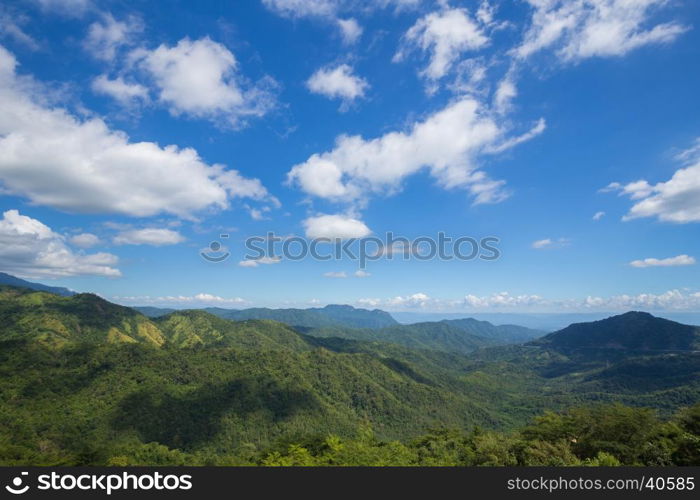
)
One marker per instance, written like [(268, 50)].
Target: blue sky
[(133, 134)]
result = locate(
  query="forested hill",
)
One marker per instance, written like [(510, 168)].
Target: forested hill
[(315, 317), (632, 330)]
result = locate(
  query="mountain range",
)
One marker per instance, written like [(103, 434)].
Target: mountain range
[(83, 379)]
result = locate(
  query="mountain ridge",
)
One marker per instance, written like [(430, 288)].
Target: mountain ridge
[(633, 330)]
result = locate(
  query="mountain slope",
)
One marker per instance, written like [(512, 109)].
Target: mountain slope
[(632, 330), (457, 336), (80, 375), (503, 334), (315, 317), (187, 329), (7, 279), (56, 320)]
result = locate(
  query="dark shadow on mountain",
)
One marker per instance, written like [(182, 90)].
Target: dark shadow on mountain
[(186, 420)]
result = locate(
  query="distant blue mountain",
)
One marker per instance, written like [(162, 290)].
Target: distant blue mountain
[(8, 279)]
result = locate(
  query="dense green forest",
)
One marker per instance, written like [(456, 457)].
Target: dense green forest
[(85, 381)]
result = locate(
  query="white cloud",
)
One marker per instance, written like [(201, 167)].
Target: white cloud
[(542, 243), (672, 300), (676, 200), (337, 83), (302, 8), (201, 78), (256, 213), (123, 92), (332, 12), (550, 243), (501, 299), (11, 27), (105, 37), (368, 302), (84, 240), (200, 299), (416, 300), (70, 8), (680, 260), (690, 155), (256, 262), (148, 236), (598, 215), (505, 93), (55, 159), (446, 34), (350, 30), (335, 227), (447, 143), (331, 8), (362, 274), (578, 29), (30, 249), (336, 275)]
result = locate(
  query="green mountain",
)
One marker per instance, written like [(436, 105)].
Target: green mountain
[(315, 317), (9, 280), (439, 336), (55, 320), (456, 336), (502, 334), (86, 377), (632, 331), (84, 381)]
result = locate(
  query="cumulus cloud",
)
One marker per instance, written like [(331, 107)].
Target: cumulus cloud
[(445, 35), (337, 83), (335, 227), (30, 249), (107, 36), (84, 240), (598, 215), (362, 274), (201, 79), (350, 30), (676, 200), (56, 159), (123, 92), (446, 143), (149, 236), (680, 260), (578, 29)]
